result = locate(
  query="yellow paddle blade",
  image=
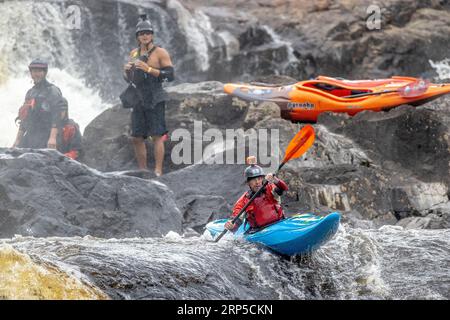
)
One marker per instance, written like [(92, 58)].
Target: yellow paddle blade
[(302, 141)]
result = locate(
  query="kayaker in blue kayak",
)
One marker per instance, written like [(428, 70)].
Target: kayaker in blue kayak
[(266, 208)]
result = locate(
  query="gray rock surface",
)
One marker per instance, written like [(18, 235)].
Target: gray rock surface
[(333, 37), (384, 166), (238, 40), (43, 193)]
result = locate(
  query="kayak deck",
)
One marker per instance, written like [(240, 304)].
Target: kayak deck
[(298, 234), (304, 101)]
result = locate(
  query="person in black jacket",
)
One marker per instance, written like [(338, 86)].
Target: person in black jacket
[(43, 113)]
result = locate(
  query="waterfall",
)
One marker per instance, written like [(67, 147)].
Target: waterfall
[(39, 29)]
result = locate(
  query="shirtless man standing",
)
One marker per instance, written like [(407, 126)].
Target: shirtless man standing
[(148, 67)]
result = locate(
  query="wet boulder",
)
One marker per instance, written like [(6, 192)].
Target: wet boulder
[(43, 194), (192, 107)]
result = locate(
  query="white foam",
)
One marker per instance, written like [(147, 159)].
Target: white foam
[(173, 236)]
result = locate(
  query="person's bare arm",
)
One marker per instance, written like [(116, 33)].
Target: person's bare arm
[(164, 58), (52, 139)]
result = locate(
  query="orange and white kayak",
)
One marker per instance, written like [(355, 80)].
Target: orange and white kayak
[(304, 101)]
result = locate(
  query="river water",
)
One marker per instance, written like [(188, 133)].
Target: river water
[(385, 263)]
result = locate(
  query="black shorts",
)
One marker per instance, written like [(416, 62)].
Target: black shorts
[(149, 122)]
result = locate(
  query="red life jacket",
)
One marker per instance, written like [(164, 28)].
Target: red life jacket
[(69, 131), (25, 109), (264, 210), (73, 154), (70, 142)]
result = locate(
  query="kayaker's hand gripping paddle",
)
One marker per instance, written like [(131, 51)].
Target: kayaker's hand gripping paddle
[(302, 141)]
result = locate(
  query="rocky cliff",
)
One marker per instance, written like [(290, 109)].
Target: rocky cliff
[(389, 167)]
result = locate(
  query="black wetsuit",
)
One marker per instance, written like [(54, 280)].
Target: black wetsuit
[(46, 110)]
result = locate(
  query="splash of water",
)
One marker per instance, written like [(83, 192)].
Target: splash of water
[(385, 263)]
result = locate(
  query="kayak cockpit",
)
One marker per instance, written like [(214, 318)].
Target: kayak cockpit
[(335, 90)]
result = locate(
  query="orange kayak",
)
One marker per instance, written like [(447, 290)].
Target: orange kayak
[(304, 101)]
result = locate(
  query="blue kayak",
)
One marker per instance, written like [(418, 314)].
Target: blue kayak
[(299, 234)]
